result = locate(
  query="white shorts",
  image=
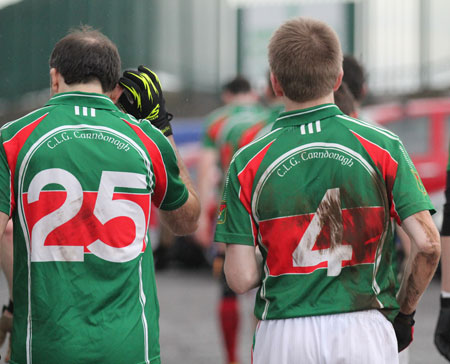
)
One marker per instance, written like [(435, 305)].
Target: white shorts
[(348, 338)]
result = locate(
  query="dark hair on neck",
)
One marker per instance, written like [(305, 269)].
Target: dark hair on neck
[(344, 99), (354, 76), (237, 85), (84, 55)]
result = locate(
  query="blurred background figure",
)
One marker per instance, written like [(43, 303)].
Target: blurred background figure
[(355, 78), (241, 107), (344, 99)]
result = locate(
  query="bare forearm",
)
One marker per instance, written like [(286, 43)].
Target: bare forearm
[(423, 260), (418, 274), (6, 255), (242, 268), (445, 263)]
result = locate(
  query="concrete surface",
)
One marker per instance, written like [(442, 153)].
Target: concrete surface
[(189, 330)]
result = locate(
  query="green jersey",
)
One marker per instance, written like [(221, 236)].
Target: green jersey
[(232, 132), (317, 195), (78, 178), (220, 123)]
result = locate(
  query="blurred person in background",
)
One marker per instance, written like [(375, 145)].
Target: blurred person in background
[(274, 106), (355, 78), (315, 197), (241, 105), (344, 99), (83, 175), (238, 98)]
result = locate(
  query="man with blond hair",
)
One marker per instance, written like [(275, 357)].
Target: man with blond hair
[(315, 196)]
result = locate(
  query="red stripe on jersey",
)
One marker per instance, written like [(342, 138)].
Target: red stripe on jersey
[(364, 242), (250, 134), (226, 153), (385, 164), (216, 128), (246, 178), (85, 228), (12, 149), (159, 168)]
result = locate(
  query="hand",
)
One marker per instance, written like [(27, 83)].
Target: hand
[(442, 332), (142, 97), (404, 330)]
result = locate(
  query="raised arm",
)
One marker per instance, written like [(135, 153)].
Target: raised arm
[(143, 98)]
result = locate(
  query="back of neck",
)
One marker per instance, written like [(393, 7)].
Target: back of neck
[(293, 105)]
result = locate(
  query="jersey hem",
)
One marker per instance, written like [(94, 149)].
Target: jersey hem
[(5, 208), (414, 209), (386, 312), (240, 239)]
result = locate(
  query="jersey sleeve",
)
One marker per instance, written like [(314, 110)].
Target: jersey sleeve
[(169, 191), (5, 182), (175, 193), (409, 193), (235, 223)]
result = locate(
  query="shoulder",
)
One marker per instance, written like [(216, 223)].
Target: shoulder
[(144, 129), (256, 148), (11, 128), (217, 114), (371, 132)]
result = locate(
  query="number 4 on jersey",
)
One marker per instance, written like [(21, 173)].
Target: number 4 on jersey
[(328, 213)]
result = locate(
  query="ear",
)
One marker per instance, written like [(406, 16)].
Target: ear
[(115, 94), (338, 80), (277, 89), (55, 81), (226, 97)]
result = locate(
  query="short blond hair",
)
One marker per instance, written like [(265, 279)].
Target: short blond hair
[(306, 58)]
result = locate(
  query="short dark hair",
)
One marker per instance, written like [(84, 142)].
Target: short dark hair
[(354, 76), (344, 99), (237, 85), (86, 54)]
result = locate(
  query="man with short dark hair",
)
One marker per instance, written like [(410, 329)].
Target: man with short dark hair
[(315, 197), (78, 177)]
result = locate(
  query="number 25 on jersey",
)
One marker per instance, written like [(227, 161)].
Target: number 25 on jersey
[(92, 209)]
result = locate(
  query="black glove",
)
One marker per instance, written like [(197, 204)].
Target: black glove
[(404, 330), (442, 332), (142, 97)]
